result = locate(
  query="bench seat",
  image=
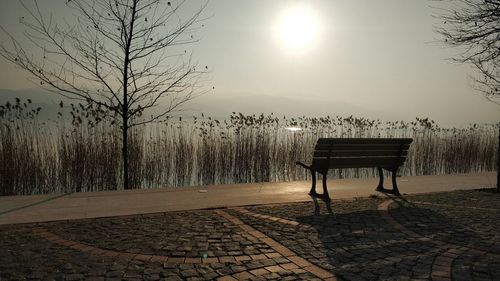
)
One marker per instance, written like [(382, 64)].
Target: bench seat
[(341, 153)]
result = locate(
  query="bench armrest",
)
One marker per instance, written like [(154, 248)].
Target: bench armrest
[(303, 165)]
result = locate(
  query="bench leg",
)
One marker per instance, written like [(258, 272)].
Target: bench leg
[(380, 186), (395, 189), (313, 187), (326, 197)]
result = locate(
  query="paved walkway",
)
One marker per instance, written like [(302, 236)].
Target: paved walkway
[(42, 208), (263, 232), (451, 235)]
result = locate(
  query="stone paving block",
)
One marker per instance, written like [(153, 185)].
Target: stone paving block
[(257, 234), (267, 262), (193, 260), (226, 278), (258, 257), (443, 261), (283, 250), (441, 271), (281, 260), (69, 243), (242, 258), (273, 255), (175, 260), (87, 248), (316, 270), (159, 259), (299, 261), (225, 270), (455, 251), (110, 254), (259, 271), (211, 260), (438, 278), (189, 273), (298, 270), (450, 255), (97, 252), (289, 266), (244, 275), (274, 268), (94, 278), (227, 259), (247, 228)]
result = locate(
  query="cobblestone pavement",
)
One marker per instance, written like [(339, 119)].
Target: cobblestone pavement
[(438, 236)]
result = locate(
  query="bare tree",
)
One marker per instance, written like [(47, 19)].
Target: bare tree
[(124, 56), (473, 26)]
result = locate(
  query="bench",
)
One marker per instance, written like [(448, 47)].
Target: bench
[(341, 153)]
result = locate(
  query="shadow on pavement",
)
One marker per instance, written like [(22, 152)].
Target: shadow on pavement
[(361, 245)]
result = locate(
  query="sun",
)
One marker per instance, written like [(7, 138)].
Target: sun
[(297, 28)]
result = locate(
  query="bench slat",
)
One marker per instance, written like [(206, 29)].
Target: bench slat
[(358, 153), (328, 147), (359, 162), (364, 141)]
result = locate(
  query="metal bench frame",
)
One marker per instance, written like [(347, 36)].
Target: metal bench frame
[(338, 153)]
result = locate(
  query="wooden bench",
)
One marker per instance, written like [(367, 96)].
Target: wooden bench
[(340, 153)]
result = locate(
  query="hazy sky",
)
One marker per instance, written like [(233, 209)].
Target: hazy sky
[(376, 59)]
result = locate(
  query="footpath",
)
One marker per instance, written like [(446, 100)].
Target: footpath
[(39, 208), (442, 228)]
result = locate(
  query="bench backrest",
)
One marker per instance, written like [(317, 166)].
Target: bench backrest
[(386, 153)]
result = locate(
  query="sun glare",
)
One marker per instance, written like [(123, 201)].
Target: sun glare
[(293, 129), (297, 28)]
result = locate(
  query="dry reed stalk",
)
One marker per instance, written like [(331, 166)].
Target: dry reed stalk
[(85, 156)]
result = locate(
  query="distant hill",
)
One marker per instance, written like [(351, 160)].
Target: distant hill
[(222, 105), (219, 106), (215, 105)]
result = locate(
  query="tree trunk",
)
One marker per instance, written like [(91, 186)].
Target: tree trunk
[(125, 106), (498, 162), (125, 154)]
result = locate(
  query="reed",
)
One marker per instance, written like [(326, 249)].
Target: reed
[(82, 152)]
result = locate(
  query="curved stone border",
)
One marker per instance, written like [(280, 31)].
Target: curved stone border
[(288, 254), (296, 262), (383, 210), (477, 260), (442, 265), (454, 206), (265, 217), (46, 234)]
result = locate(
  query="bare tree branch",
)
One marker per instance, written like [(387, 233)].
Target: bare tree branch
[(120, 55), (473, 26)]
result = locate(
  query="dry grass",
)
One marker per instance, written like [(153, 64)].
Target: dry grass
[(85, 155)]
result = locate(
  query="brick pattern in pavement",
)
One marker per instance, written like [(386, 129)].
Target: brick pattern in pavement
[(440, 236)]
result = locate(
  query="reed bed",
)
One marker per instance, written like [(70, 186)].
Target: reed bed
[(84, 154)]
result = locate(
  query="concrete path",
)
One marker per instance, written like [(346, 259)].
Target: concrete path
[(42, 208)]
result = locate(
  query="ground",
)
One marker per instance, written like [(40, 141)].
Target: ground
[(439, 236)]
